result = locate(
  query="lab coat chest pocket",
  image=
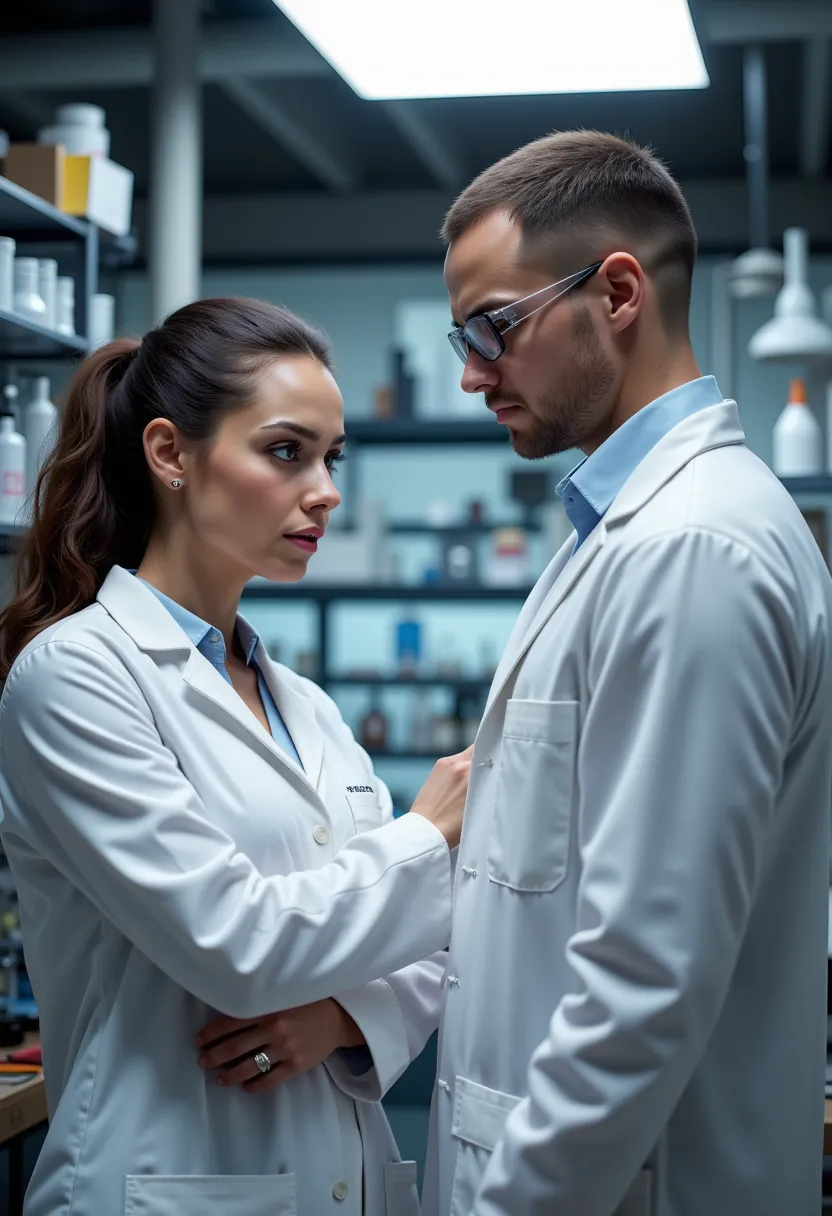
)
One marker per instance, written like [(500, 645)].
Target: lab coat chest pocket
[(216, 1195), (366, 809), (528, 846)]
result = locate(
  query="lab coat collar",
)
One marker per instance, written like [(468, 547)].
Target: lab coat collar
[(141, 615), (716, 426), (713, 427), (298, 712)]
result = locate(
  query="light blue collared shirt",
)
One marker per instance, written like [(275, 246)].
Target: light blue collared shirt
[(211, 645), (588, 492)]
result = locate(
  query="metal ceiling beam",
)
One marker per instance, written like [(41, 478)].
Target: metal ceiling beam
[(816, 107), (742, 21), (255, 48), (390, 225), (310, 148), (432, 150), (120, 58)]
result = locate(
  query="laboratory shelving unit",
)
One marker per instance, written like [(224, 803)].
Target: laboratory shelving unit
[(47, 232), (398, 433), (41, 230), (415, 434), (325, 596)]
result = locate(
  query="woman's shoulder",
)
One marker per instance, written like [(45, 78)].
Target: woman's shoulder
[(89, 637)]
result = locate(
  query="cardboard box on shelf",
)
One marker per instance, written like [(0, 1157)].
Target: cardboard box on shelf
[(99, 190), (40, 168)]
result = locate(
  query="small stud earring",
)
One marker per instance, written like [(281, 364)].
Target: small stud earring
[(176, 483)]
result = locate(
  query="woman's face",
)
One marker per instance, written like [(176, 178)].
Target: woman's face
[(261, 494)]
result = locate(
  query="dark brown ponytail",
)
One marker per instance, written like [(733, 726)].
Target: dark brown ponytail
[(93, 504)]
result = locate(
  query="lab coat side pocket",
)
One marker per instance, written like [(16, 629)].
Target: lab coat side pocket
[(400, 1190), (211, 1195), (528, 846), (480, 1114)]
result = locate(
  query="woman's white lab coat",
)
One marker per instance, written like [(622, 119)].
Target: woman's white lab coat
[(172, 862)]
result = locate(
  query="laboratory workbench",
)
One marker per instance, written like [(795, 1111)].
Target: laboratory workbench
[(22, 1108)]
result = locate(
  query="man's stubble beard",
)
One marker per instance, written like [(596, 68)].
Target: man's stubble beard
[(570, 415)]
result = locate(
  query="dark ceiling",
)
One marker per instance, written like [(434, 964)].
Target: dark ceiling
[(700, 134)]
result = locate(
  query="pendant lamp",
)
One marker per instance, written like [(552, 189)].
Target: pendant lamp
[(795, 334), (759, 271)]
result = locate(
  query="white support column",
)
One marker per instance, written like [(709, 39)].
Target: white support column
[(175, 251)]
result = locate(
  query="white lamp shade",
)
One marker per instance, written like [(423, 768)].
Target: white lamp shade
[(795, 334), (756, 273)]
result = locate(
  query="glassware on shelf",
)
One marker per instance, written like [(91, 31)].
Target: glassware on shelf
[(440, 513), (509, 562), (102, 319), (459, 562), (447, 664), (408, 646), (373, 728), (48, 289), (7, 248), (798, 442), (65, 306), (27, 300), (12, 464), (39, 427), (446, 734), (420, 732)]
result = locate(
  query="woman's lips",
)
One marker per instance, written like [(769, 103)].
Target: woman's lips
[(307, 543)]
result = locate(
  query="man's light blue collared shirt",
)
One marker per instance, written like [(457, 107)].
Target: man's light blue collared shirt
[(587, 493), (211, 645)]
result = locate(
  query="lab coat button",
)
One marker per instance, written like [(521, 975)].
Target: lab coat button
[(321, 834), (339, 1191)]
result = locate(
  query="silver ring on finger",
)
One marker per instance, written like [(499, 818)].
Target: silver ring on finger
[(263, 1062)]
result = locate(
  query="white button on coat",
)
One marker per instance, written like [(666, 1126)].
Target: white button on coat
[(321, 834), (340, 1191), (162, 851)]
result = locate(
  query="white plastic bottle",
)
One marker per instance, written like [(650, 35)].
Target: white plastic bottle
[(798, 442), (12, 469), (39, 425)]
